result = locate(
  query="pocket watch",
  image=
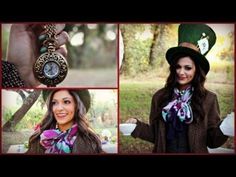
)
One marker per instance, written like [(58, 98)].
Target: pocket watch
[(51, 67)]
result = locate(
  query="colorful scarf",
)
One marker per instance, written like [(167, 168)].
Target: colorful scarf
[(178, 111), (58, 142)]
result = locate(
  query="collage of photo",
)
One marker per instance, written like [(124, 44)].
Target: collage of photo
[(117, 88)]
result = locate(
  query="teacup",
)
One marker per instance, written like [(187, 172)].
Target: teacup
[(127, 128)]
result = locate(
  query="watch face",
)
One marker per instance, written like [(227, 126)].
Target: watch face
[(51, 69)]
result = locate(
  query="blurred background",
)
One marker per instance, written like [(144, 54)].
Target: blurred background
[(22, 110), (144, 70), (92, 54)]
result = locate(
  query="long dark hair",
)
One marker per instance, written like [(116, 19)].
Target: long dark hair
[(197, 83), (49, 122)]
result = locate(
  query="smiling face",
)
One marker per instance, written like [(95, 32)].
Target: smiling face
[(185, 71), (63, 107)]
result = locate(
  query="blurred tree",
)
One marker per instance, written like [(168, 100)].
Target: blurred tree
[(165, 36), (227, 53), (156, 48), (41, 101), (145, 46), (92, 110), (137, 39), (91, 45)]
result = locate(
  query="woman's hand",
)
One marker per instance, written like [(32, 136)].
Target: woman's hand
[(131, 120), (24, 49)]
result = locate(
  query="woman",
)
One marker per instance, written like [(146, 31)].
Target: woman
[(65, 128), (185, 115)]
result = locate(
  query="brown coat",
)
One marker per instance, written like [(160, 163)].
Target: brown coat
[(201, 134)]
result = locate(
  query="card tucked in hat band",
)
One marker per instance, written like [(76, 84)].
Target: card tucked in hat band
[(203, 45)]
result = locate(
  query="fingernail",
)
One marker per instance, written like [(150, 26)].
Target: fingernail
[(43, 49), (42, 37)]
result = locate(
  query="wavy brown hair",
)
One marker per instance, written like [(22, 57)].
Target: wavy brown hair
[(197, 83), (49, 122)]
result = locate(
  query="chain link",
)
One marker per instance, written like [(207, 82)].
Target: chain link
[(51, 40)]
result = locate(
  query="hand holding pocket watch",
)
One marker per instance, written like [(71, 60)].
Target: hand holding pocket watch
[(51, 67), (23, 50)]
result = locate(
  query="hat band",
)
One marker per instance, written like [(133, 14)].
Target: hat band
[(189, 45)]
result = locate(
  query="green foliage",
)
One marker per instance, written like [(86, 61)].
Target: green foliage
[(31, 118), (112, 138), (226, 46), (146, 42), (222, 66), (167, 37), (101, 107), (230, 72), (103, 110), (221, 72), (137, 48), (113, 130), (7, 114)]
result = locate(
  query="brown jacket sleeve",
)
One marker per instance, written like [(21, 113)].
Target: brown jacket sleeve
[(215, 138)]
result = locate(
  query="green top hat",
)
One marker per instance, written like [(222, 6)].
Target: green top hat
[(195, 40), (83, 94)]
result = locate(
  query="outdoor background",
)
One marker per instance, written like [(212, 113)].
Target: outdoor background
[(144, 70), (22, 110), (92, 54)]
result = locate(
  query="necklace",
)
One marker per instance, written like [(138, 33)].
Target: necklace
[(51, 67)]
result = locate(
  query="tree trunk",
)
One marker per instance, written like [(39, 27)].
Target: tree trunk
[(22, 94), (154, 42), (19, 114), (157, 47)]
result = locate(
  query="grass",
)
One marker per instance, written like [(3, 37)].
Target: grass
[(135, 101)]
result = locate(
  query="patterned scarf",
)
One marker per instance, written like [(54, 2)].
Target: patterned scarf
[(178, 111), (58, 142)]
